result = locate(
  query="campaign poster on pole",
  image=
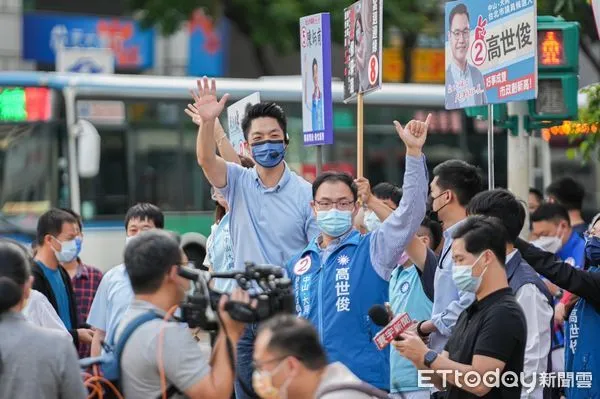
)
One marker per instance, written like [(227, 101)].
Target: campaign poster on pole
[(317, 104), (363, 33), (491, 52), (235, 116)]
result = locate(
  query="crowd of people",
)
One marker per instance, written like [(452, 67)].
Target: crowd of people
[(443, 251)]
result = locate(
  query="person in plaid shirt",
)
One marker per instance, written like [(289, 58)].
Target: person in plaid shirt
[(85, 280)]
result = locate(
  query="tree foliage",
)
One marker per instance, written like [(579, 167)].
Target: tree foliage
[(586, 130), (274, 23)]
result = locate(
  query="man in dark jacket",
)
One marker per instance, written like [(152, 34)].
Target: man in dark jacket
[(57, 235)]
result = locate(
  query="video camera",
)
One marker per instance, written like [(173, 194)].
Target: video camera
[(272, 292)]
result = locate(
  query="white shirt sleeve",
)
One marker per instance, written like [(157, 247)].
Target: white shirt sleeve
[(40, 312), (538, 314)]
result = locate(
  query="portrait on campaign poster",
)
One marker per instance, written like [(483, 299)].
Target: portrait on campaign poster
[(490, 52), (235, 116), (363, 32), (315, 54)]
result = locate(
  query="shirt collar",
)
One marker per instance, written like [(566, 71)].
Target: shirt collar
[(450, 230), (458, 73), (334, 243), (82, 271), (488, 300), (285, 178), (352, 237), (510, 255)]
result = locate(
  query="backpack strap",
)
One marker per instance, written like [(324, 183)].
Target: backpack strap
[(356, 386), (130, 328)]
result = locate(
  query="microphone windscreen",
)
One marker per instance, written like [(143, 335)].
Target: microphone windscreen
[(379, 315)]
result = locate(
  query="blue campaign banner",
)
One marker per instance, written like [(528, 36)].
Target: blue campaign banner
[(44, 33), (207, 46), (491, 52), (315, 55)]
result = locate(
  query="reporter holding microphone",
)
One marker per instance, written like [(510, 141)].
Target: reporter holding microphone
[(153, 260)]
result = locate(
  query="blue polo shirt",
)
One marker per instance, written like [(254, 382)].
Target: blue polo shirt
[(268, 225)]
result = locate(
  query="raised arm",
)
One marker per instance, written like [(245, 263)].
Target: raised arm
[(204, 113), (390, 239)]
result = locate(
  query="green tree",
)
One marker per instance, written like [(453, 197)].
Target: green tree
[(274, 23)]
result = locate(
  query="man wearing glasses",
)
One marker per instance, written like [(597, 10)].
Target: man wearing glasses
[(464, 82), (341, 273)]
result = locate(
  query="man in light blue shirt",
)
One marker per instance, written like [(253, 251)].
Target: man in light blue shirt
[(454, 184), (270, 214), (114, 293)]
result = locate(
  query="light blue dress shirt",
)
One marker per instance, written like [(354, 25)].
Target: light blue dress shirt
[(448, 301), (219, 254), (112, 300), (268, 225)]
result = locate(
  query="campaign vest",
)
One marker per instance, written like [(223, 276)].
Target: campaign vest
[(336, 298), (582, 349)]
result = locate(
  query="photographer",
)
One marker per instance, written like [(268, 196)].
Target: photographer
[(153, 261)]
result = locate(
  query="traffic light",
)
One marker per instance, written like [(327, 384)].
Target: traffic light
[(558, 69)]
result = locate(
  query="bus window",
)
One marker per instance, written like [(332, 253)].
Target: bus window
[(106, 195)]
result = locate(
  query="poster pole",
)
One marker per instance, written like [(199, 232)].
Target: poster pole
[(490, 146), (359, 135), (319, 159)]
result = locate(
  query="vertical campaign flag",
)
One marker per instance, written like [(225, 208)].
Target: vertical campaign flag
[(235, 116), (491, 50), (363, 33), (317, 104)]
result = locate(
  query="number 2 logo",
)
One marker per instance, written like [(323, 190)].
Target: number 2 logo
[(478, 52)]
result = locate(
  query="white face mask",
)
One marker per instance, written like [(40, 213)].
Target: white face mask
[(372, 222), (128, 239), (549, 244)]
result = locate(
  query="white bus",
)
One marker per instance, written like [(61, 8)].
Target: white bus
[(50, 155)]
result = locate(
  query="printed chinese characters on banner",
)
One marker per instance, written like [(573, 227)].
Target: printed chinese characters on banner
[(315, 54), (363, 36), (490, 52)]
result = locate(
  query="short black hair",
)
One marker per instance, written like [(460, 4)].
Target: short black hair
[(568, 192), (503, 205), (315, 63), (458, 9), (293, 336), (52, 222), (75, 215), (146, 211), (265, 110), (537, 193), (334, 177), (148, 257), (460, 177), (15, 269), (550, 213), (435, 231), (481, 233), (385, 190)]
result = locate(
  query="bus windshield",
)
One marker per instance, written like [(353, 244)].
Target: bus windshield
[(27, 173)]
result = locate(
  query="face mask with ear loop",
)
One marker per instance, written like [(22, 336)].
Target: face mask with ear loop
[(262, 382)]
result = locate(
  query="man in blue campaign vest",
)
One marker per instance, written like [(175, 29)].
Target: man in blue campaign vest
[(341, 273)]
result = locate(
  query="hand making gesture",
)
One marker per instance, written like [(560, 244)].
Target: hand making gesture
[(413, 135), (206, 107)]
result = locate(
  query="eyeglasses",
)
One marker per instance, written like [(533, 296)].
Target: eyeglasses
[(342, 205), (260, 365), (458, 33)]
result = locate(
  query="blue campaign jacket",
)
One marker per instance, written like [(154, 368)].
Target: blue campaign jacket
[(582, 350), (336, 298)]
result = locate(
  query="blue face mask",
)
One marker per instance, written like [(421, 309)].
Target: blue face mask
[(334, 223), (592, 250), (268, 153), (68, 251), (464, 279), (79, 244)]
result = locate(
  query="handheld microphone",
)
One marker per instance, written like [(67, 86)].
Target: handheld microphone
[(391, 328)]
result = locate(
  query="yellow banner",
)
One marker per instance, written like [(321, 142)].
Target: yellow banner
[(393, 65), (428, 65)]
